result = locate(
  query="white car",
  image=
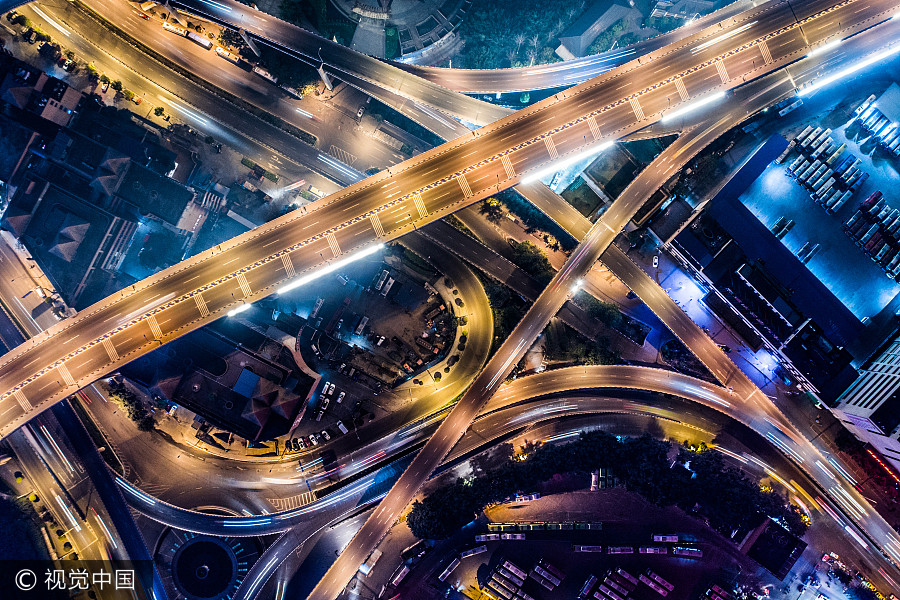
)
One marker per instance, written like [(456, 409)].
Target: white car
[(314, 439), (330, 389), (341, 397)]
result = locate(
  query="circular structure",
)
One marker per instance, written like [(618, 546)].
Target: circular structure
[(204, 567)]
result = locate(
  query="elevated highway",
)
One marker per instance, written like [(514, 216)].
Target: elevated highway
[(392, 203)]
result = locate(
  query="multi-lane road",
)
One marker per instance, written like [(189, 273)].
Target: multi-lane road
[(596, 240), (185, 296)]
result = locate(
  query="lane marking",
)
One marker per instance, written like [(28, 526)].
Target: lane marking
[(67, 377), (466, 190), (333, 243), (201, 305), (22, 400), (154, 327), (636, 107), (682, 91), (110, 349), (507, 166), (595, 129), (720, 67), (245, 285), (376, 225), (551, 147), (420, 205)]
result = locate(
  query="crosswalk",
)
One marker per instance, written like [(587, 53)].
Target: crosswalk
[(201, 305), (288, 265), (420, 205), (636, 107), (507, 166), (66, 375), (154, 327), (551, 147), (297, 501), (720, 67), (245, 285), (22, 400), (595, 129), (110, 349), (682, 91), (466, 190), (376, 224), (764, 50), (333, 243), (342, 155)]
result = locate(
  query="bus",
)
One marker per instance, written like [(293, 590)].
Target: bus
[(547, 575), (367, 566), (586, 588), (612, 594), (473, 551), (514, 569), (691, 552), (654, 586), (620, 550), (229, 56), (199, 40), (588, 548), (174, 29), (626, 576), (399, 575), (443, 576), (487, 537), (653, 550), (658, 537), (655, 577), (415, 551), (381, 279)]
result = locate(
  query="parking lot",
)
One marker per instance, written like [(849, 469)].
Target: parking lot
[(845, 269)]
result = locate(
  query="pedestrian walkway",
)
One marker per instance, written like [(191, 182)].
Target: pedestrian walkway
[(292, 502)]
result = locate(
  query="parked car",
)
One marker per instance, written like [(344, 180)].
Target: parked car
[(360, 112), (137, 100), (314, 439), (341, 427), (69, 65), (341, 397), (104, 86), (325, 435), (306, 442), (145, 16)]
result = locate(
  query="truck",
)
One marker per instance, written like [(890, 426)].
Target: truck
[(229, 56), (865, 104), (811, 137), (836, 154), (802, 135)]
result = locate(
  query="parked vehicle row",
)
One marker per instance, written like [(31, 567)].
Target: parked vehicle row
[(875, 228), (885, 131), (831, 182)]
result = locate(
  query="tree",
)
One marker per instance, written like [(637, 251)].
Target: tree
[(93, 75), (230, 37), (104, 79), (158, 111), (49, 51), (70, 54), (490, 208), (21, 20), (128, 94), (533, 261), (116, 85)]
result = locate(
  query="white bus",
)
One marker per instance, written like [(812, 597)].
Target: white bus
[(659, 537), (449, 570), (655, 577), (620, 550), (653, 550)]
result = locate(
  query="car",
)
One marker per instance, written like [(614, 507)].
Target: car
[(70, 65), (325, 387), (325, 435), (145, 16), (306, 442), (330, 389), (655, 260), (341, 396), (137, 99), (341, 427), (314, 439), (724, 348), (104, 86), (360, 112), (295, 444)]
